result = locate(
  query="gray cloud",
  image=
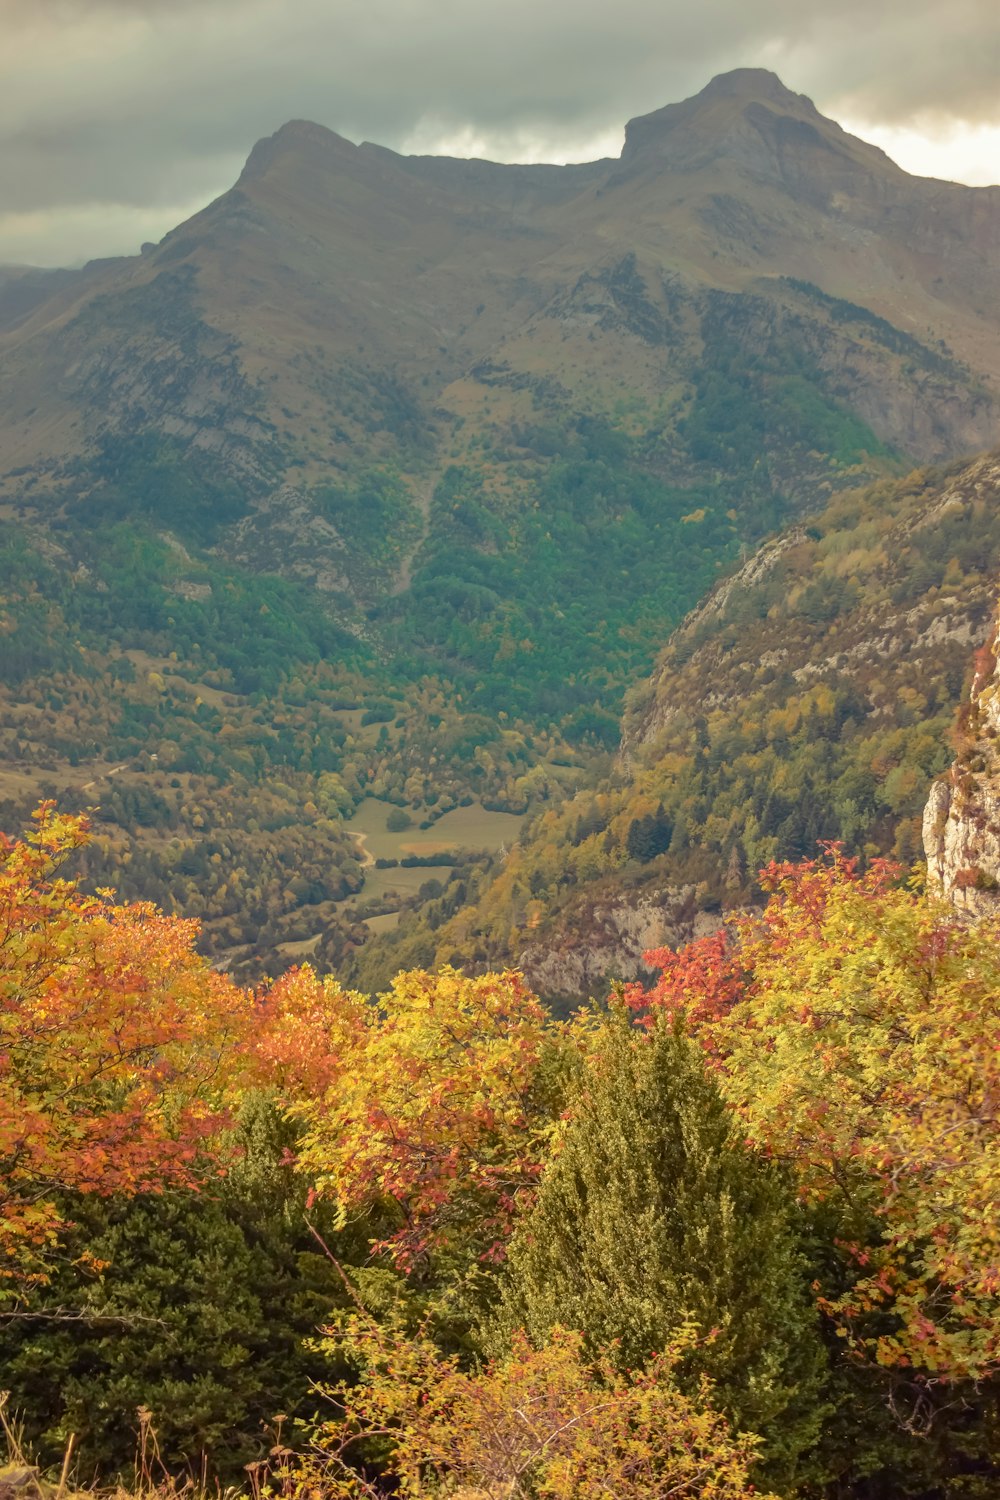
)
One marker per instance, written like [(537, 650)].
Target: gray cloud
[(138, 109)]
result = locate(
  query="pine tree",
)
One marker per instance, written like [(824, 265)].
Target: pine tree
[(649, 836), (654, 1213)]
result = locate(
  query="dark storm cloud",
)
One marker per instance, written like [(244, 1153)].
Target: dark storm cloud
[(133, 107)]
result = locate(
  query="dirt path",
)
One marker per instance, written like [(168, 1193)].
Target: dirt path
[(405, 573), (367, 857), (113, 772)]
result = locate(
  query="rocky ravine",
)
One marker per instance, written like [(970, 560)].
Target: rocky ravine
[(962, 818)]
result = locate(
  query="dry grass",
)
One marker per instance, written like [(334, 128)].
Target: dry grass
[(21, 1478)]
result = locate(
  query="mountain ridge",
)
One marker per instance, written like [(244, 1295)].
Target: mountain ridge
[(432, 264)]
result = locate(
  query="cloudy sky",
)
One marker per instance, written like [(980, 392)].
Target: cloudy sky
[(118, 118)]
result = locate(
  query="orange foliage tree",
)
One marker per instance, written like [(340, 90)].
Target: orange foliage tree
[(114, 1041), (437, 1107), (855, 1026)]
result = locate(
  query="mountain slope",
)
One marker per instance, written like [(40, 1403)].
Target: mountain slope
[(332, 269), (448, 447), (811, 696)]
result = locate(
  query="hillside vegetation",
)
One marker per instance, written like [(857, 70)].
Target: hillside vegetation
[(350, 1244), (388, 475), (809, 698)]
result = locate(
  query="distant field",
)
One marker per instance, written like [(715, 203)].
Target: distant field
[(464, 828), (385, 923), (379, 883), (474, 828), (302, 949), (351, 720)]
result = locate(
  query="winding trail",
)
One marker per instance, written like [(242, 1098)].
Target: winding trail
[(405, 573), (367, 857), (104, 776)]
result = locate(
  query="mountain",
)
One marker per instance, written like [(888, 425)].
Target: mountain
[(342, 298), (398, 471)]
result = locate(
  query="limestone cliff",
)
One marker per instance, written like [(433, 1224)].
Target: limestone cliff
[(606, 938), (962, 818)]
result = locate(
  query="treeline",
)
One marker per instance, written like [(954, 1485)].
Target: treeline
[(675, 1227)]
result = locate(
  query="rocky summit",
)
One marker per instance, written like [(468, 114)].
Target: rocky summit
[(343, 303)]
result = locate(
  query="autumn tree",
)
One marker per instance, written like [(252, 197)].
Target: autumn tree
[(439, 1112), (114, 1039), (539, 1424), (855, 1027)]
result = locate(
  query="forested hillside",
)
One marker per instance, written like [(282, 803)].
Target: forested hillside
[(386, 477), (811, 697)]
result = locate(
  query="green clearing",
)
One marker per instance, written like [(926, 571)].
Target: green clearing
[(385, 923), (472, 827), (464, 829), (382, 883)]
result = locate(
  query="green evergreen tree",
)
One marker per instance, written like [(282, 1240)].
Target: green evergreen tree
[(654, 1213), (196, 1306), (649, 836)]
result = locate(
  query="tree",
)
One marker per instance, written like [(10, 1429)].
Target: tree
[(855, 1028), (649, 836), (196, 1306), (652, 1215), (115, 1037), (439, 1111)]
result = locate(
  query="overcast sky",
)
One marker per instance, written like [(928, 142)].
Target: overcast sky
[(118, 118)]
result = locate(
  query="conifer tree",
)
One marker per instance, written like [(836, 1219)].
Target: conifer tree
[(653, 1215)]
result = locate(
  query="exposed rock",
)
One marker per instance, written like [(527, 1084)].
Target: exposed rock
[(284, 534), (19, 1481), (607, 941), (962, 819)]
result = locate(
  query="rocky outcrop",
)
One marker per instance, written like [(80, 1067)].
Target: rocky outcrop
[(962, 819), (606, 939)]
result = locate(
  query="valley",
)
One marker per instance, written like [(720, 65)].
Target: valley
[(500, 892), (390, 477)]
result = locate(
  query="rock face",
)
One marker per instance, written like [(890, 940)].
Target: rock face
[(962, 818), (608, 938)]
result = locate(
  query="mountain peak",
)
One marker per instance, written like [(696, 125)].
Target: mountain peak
[(754, 86), (696, 129), (750, 118), (295, 137)]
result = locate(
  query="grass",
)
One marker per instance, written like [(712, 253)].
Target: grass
[(20, 1475), (464, 828)]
